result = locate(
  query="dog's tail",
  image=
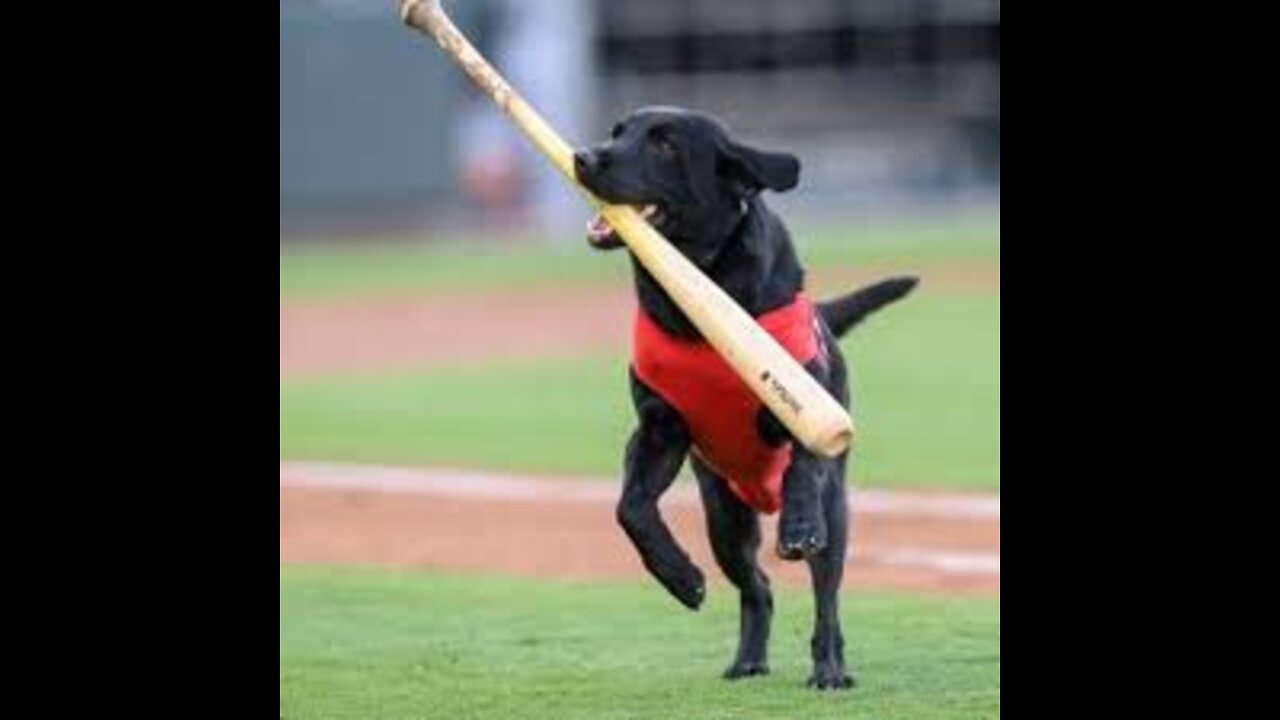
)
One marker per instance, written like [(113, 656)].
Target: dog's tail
[(842, 313)]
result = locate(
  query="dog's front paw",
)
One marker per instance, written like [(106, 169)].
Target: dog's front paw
[(829, 676), (799, 536), (685, 584), (802, 526), (744, 668)]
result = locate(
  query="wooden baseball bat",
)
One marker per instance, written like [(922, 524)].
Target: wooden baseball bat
[(812, 415)]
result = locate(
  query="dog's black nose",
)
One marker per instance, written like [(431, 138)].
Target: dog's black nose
[(586, 162), (583, 163)]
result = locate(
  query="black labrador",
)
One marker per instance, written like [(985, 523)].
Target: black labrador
[(701, 189)]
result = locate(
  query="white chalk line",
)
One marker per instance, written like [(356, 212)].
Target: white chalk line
[(498, 486), (470, 483), (948, 561)]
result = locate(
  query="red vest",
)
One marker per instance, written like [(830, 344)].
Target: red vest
[(718, 407)]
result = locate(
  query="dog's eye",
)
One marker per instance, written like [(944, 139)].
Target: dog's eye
[(617, 131), (662, 143)]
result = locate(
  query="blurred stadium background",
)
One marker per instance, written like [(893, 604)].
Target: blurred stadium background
[(894, 105)]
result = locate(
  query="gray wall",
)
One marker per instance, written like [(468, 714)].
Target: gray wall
[(885, 100), (366, 116)]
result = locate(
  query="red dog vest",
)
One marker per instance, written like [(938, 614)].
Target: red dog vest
[(718, 407)]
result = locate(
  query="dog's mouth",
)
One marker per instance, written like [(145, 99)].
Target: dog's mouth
[(600, 232)]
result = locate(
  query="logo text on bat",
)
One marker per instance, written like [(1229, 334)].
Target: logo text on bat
[(781, 392)]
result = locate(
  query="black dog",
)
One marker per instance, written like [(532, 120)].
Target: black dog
[(701, 189)]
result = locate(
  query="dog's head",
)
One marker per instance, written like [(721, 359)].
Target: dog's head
[(684, 172)]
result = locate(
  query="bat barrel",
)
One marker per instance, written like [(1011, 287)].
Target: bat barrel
[(834, 441)]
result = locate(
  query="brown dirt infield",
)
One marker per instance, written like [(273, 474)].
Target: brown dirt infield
[(569, 534)]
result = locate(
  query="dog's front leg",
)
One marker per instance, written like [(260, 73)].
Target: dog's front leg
[(802, 525), (654, 454)]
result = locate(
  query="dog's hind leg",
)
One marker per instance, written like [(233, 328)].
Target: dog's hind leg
[(734, 530), (827, 570)]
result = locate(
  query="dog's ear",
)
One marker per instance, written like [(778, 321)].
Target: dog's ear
[(703, 163), (758, 169)]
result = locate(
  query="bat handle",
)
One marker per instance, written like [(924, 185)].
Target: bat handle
[(429, 17)]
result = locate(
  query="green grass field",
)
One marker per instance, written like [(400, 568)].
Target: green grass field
[(351, 270), (927, 390), (382, 645)]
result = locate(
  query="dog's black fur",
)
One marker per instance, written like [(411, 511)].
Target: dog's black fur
[(707, 188)]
